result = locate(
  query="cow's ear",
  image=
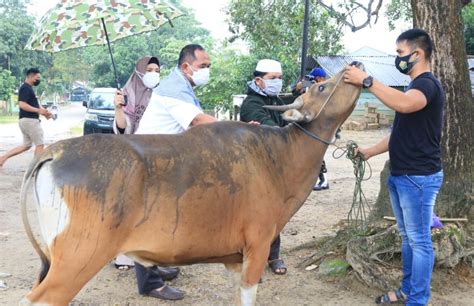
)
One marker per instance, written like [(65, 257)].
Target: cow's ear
[(293, 115)]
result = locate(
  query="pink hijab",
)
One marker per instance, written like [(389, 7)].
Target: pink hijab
[(137, 93)]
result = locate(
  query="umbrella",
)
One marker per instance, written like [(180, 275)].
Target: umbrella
[(80, 23)]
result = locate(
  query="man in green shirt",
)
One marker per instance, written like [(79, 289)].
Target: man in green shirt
[(264, 90)]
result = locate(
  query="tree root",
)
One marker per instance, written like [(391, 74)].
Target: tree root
[(376, 258)]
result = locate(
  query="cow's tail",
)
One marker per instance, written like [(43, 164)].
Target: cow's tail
[(27, 180)]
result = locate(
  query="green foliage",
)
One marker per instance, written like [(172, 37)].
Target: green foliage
[(15, 29), (230, 72), (7, 84), (398, 10), (468, 17), (274, 29), (126, 53), (8, 118)]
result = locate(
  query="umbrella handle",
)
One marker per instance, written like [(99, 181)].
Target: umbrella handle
[(112, 58)]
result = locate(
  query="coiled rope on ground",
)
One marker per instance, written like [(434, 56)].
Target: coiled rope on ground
[(360, 208)]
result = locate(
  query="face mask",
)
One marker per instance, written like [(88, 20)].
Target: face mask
[(201, 76), (402, 64), (36, 83), (273, 87), (151, 79)]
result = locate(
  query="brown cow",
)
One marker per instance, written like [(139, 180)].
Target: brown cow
[(217, 193)]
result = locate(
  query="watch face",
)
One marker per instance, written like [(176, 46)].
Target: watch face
[(367, 82)]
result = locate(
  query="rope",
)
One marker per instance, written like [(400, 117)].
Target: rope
[(360, 208), (314, 136)]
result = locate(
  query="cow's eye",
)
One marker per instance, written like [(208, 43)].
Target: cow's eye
[(321, 87)]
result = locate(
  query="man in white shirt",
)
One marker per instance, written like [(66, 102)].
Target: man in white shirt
[(173, 107)]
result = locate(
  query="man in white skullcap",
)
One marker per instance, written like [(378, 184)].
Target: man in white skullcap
[(264, 90)]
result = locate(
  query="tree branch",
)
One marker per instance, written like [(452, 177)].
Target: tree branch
[(342, 18)]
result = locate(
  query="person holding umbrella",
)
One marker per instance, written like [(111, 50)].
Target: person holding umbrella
[(138, 91)]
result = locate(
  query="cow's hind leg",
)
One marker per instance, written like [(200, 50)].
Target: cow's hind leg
[(73, 264), (236, 277)]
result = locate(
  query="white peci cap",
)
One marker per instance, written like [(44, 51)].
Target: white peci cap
[(268, 65)]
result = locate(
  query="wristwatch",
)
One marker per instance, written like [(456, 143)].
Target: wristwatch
[(367, 82)]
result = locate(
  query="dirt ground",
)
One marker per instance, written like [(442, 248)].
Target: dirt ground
[(211, 284)]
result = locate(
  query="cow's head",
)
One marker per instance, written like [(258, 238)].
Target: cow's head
[(331, 101)]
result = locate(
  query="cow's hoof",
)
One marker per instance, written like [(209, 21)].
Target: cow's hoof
[(26, 302)]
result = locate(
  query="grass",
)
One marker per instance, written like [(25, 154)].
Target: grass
[(77, 129), (4, 118)]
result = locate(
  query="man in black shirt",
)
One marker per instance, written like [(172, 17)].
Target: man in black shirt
[(415, 159), (29, 122)]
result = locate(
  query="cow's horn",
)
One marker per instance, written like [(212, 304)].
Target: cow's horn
[(295, 105)]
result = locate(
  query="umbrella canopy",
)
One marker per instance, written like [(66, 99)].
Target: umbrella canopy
[(81, 23), (78, 23)]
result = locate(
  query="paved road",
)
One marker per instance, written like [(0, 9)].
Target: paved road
[(69, 116)]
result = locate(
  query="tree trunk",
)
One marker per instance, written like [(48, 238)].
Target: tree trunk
[(444, 24), (382, 206), (442, 20)]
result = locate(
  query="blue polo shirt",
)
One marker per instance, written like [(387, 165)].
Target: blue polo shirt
[(175, 85)]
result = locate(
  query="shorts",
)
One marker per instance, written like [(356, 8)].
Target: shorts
[(32, 132)]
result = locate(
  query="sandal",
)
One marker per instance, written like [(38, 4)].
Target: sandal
[(278, 266), (122, 267), (392, 297)]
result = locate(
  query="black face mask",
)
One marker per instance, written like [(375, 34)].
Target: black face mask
[(36, 83), (402, 64)]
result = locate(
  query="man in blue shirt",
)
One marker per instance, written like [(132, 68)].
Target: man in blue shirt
[(415, 158), (173, 107)]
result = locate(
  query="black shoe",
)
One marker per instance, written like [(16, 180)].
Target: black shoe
[(167, 273), (167, 293)]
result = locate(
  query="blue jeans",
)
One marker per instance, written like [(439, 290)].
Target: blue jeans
[(413, 198)]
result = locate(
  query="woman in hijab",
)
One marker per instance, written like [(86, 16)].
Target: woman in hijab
[(137, 92)]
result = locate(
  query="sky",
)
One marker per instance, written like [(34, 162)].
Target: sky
[(210, 13)]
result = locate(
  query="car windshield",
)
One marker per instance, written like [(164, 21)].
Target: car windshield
[(102, 100)]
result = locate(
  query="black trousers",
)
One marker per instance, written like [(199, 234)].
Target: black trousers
[(148, 279), (275, 249), (323, 168)]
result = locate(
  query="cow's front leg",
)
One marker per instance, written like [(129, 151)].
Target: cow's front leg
[(255, 259)]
